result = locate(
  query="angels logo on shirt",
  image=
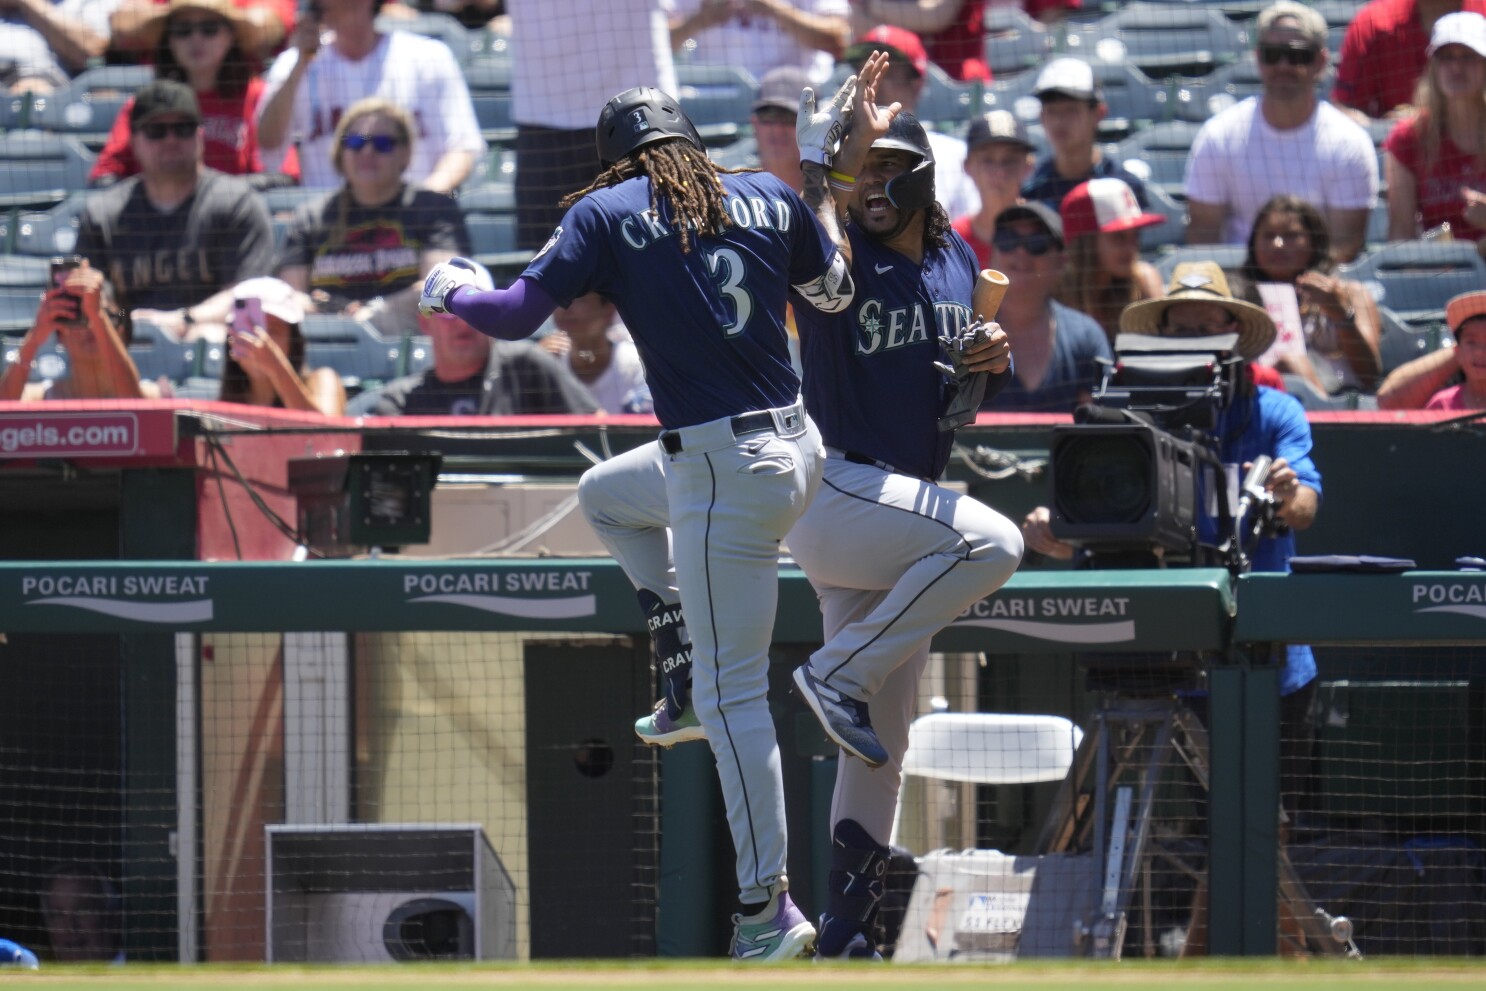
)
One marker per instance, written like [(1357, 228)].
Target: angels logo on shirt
[(550, 242)]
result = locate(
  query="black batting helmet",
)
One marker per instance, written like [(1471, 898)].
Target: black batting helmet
[(914, 189), (638, 117)]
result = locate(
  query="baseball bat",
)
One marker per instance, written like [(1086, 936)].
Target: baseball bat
[(990, 289)]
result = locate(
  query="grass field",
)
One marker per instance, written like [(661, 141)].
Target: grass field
[(1268, 975)]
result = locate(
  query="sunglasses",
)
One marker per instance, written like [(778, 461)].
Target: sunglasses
[(1293, 54), (1036, 245), (179, 129), (207, 29), (382, 144)]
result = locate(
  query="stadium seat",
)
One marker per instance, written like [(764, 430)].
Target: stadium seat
[(1014, 94), (490, 217), (489, 81), (1401, 342), (24, 272), (1014, 42), (432, 24), (18, 309), (1416, 278), (1170, 234), (14, 111), (51, 358), (1228, 256), (158, 355), (717, 98), (88, 105), (51, 232), (39, 170), (1227, 86), (360, 355), (1338, 14), (1158, 156), (1163, 39)]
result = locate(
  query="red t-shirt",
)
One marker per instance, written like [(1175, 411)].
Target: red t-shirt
[(981, 248), (229, 126), (1438, 187), (1382, 56)]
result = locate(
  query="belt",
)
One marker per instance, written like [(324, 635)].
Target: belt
[(742, 425), (862, 459)]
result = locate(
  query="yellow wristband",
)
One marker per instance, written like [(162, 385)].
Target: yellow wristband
[(842, 177)]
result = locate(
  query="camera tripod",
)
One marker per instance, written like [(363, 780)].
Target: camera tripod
[(1107, 803)]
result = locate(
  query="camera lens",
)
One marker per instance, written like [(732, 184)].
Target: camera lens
[(1104, 480)]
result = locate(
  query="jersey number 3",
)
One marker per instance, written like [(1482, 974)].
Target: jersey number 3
[(726, 267)]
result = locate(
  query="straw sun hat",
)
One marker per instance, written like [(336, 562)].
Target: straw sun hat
[(1203, 282)]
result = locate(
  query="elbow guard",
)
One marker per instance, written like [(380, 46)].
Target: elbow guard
[(833, 290)]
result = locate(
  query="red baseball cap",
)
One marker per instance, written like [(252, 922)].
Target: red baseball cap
[(898, 41), (1103, 206)]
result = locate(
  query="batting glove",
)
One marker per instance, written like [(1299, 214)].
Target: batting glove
[(443, 280), (818, 132)]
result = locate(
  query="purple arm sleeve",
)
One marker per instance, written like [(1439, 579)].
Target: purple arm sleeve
[(509, 314)]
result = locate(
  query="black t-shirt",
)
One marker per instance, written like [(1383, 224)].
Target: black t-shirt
[(371, 251), (521, 377), (166, 260)]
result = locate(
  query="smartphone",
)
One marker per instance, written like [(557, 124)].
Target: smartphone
[(62, 267), (247, 314)]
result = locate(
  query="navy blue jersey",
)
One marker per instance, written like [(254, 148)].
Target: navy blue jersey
[(709, 323), (870, 381)]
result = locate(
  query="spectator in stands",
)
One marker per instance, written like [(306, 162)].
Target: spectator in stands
[(1257, 421), (204, 44), (83, 916), (1451, 378), (1105, 274), (44, 42), (953, 30), (376, 237), (760, 35), (599, 351), (475, 375), (1285, 140), (132, 27), (998, 159), (177, 236), (1436, 160), (311, 86), (622, 43), (773, 116), (1339, 320), (907, 74), (265, 363), (81, 314), (1383, 53), (1055, 346), (1072, 107)]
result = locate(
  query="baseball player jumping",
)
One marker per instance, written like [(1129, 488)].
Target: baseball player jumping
[(893, 557), (698, 261)]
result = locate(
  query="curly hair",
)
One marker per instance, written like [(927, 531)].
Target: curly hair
[(684, 175), (937, 226)]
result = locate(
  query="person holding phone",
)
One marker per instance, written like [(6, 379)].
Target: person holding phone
[(265, 363), (78, 309)]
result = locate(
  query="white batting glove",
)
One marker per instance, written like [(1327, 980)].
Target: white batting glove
[(818, 132), (442, 280)]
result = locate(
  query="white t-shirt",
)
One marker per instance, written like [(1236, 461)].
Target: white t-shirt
[(569, 57), (418, 74), (1240, 161), (619, 381), (28, 49), (758, 43), (952, 187)]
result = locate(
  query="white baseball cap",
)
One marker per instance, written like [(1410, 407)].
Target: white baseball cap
[(275, 297), (1460, 28), (1068, 77), (1103, 206)]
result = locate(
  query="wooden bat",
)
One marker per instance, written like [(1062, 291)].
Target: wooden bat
[(990, 289)]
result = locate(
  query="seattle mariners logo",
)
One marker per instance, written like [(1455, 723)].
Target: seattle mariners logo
[(550, 242)]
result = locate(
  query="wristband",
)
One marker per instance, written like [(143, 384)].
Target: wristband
[(849, 180)]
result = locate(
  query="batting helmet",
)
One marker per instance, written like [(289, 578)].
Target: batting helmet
[(914, 189), (638, 117)]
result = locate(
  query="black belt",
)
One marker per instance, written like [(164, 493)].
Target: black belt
[(743, 423), (858, 458)]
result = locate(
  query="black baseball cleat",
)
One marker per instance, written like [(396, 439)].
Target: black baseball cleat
[(844, 719)]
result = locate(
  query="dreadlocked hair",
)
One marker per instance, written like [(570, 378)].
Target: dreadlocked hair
[(936, 227), (680, 172)]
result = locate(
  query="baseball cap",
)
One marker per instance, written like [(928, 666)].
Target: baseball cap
[(1032, 210), (161, 97), (1461, 308), (1103, 206), (275, 297), (997, 127), (1067, 77), (780, 88), (1460, 28), (896, 41)]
